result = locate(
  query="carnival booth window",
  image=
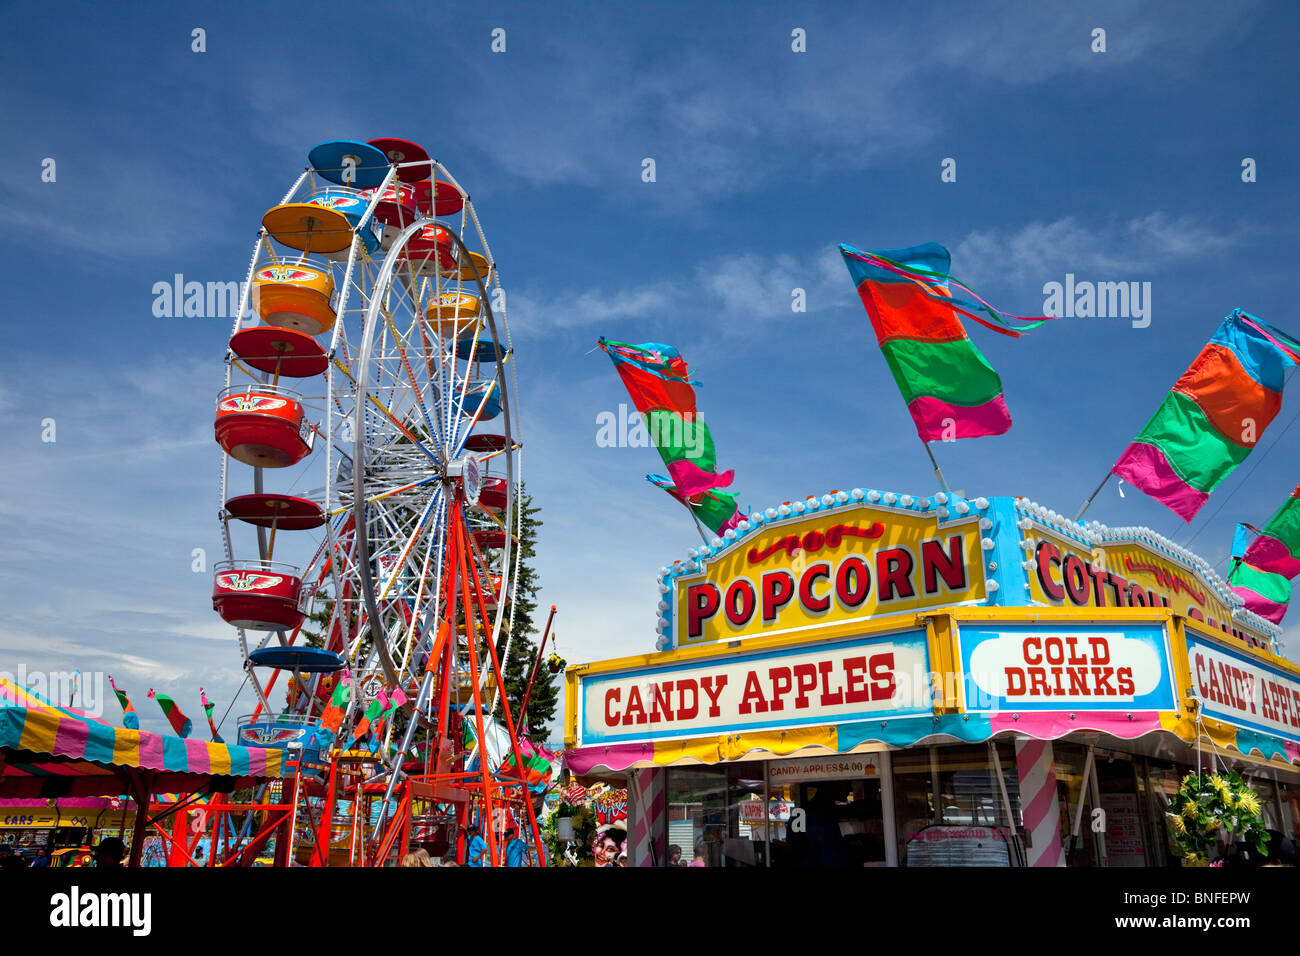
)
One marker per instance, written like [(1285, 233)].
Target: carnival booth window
[(826, 811), (710, 814), (950, 809)]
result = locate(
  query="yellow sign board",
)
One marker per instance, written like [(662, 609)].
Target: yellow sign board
[(850, 564), (1124, 574)]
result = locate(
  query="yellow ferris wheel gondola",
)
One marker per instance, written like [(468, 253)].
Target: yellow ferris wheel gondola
[(309, 227)]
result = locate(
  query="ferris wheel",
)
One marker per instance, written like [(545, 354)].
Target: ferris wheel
[(371, 448)]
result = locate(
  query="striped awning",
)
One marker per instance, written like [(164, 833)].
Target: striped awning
[(51, 751)]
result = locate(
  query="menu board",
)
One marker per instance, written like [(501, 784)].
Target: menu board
[(1124, 844)]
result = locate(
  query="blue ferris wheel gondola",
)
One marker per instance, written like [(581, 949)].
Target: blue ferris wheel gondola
[(333, 161), (474, 398), (484, 350), (304, 660)]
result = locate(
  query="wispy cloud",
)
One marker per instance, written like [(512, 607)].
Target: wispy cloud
[(1040, 251)]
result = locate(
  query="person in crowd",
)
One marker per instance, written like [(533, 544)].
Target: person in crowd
[(516, 849), (42, 858), (110, 852), (476, 851), (675, 855), (416, 858), (699, 859)]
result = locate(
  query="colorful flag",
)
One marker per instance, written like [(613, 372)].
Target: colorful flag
[(659, 384), (1213, 417), (207, 709), (332, 717), (1262, 572), (180, 723), (949, 387), (373, 712), (715, 509), (130, 719)]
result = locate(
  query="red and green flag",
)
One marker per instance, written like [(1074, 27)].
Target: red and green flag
[(1262, 570), (180, 723), (130, 719), (950, 389), (1213, 417), (207, 709), (659, 383)]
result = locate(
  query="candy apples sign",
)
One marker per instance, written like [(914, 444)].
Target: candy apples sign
[(849, 565), (1091, 667), (1244, 692), (858, 679)]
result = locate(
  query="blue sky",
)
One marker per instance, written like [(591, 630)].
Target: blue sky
[(1115, 166)]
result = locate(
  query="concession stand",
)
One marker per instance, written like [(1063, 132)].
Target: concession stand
[(877, 679)]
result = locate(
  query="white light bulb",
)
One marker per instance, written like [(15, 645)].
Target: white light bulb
[(857, 494), (890, 498), (906, 501)]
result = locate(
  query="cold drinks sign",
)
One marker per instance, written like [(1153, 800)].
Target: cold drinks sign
[(1089, 667), (858, 679), (851, 564)]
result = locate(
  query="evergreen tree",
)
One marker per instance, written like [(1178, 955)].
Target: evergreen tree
[(518, 665)]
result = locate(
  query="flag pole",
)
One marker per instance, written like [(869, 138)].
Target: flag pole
[(937, 473), (699, 527), (1084, 507)]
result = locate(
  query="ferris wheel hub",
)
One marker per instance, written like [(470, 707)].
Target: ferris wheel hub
[(470, 473)]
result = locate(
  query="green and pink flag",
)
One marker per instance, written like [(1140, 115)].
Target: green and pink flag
[(1262, 570), (207, 709), (130, 719), (180, 723), (1213, 416)]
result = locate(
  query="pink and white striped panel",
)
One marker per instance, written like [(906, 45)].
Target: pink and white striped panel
[(647, 802), (1038, 801)]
